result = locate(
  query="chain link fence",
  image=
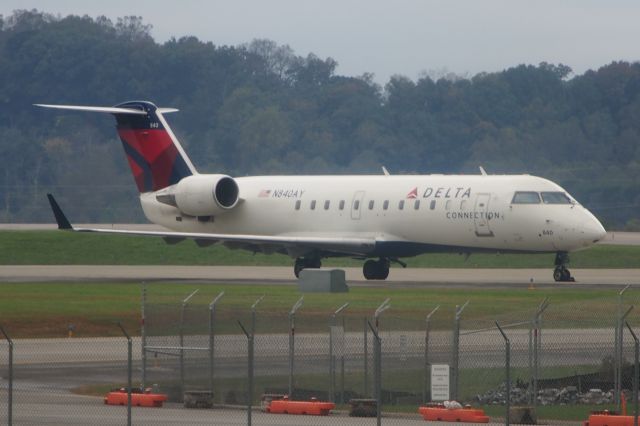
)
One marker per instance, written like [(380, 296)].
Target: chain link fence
[(562, 363)]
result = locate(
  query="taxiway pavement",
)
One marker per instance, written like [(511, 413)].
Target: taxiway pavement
[(271, 275)]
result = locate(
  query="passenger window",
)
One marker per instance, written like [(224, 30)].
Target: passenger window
[(416, 204), (526, 197), (356, 204), (313, 205), (555, 198), (447, 205), (463, 205), (298, 204), (341, 205), (432, 206), (326, 205), (371, 205), (385, 205), (401, 205)]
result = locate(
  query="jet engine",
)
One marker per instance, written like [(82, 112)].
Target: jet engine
[(206, 195)]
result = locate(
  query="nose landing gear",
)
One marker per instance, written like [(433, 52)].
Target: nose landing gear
[(561, 273)]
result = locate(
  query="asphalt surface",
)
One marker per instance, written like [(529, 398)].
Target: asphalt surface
[(63, 408), (284, 275)]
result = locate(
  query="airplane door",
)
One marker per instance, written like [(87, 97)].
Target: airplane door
[(480, 215), (356, 205)]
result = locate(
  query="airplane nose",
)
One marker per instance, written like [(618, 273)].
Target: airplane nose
[(594, 231)]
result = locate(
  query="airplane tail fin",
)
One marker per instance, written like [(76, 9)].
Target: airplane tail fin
[(155, 156)]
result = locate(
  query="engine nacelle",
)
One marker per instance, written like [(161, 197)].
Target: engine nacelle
[(206, 195)]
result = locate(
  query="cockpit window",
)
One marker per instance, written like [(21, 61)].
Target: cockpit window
[(555, 198), (526, 197)]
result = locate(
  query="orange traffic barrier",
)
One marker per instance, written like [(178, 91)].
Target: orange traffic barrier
[(138, 399), (312, 407), (605, 418), (442, 414)]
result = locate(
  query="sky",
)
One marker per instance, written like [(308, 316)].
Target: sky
[(405, 37)]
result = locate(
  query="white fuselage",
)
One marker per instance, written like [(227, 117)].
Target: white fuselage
[(405, 214)]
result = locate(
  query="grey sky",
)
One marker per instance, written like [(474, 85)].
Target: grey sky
[(396, 37)]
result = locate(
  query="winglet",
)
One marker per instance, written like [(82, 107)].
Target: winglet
[(63, 222)]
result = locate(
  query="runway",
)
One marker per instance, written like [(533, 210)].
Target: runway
[(284, 275)]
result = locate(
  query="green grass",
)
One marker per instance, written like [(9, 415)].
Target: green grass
[(46, 309), (67, 248)]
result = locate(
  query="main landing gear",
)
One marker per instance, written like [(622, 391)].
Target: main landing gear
[(561, 273), (372, 269), (376, 269), (305, 263)]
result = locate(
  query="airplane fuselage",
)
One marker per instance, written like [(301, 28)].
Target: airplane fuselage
[(405, 214)]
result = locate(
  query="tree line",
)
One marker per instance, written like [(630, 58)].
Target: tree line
[(260, 108)]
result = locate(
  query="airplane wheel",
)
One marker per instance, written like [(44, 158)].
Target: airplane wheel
[(375, 270), (369, 269), (566, 276), (384, 271), (562, 274)]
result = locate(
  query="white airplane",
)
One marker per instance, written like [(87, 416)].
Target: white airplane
[(379, 219)]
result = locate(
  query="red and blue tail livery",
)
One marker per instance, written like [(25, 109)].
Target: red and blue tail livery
[(155, 156)]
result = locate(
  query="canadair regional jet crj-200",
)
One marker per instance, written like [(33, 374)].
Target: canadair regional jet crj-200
[(379, 219)]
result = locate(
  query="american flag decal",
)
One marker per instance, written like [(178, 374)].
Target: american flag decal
[(264, 193)]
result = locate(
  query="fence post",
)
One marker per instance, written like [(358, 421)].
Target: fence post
[(376, 315), (292, 332), (143, 335), (212, 322), (182, 313), (455, 359), (621, 321), (10, 389), (332, 359), (253, 314), (537, 341), (377, 372), (618, 348), (129, 369), (427, 375), (342, 356), (636, 371), (250, 371), (254, 307), (507, 345), (366, 357)]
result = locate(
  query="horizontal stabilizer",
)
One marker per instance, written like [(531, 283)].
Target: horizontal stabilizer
[(111, 110)]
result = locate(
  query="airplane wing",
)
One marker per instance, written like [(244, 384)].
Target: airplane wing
[(295, 246)]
